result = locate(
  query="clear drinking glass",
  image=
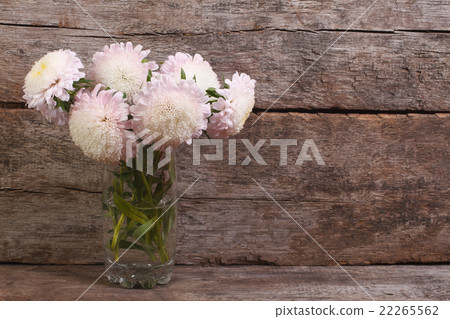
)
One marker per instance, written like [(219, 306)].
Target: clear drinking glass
[(140, 221)]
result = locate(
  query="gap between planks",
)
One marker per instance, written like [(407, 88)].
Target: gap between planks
[(259, 111)]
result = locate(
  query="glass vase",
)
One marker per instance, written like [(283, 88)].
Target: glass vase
[(139, 201)]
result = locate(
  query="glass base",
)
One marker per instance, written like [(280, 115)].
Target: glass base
[(133, 275)]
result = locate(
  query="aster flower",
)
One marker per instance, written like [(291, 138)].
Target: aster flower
[(50, 77), (177, 112), (98, 123), (205, 77), (121, 67), (234, 108)]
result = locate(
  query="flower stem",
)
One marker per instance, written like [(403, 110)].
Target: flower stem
[(117, 228), (148, 188), (136, 198), (162, 250)]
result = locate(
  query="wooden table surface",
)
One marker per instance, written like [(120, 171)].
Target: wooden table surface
[(53, 282)]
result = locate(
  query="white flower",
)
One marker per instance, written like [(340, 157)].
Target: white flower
[(52, 76), (234, 109), (176, 112), (205, 77), (120, 67), (98, 123)]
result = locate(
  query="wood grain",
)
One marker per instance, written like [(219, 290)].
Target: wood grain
[(381, 197), (206, 16), (28, 282), (362, 71)]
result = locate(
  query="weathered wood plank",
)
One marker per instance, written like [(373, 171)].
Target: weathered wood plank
[(381, 197), (362, 71), (193, 17), (259, 232), (66, 228), (28, 282), (63, 227)]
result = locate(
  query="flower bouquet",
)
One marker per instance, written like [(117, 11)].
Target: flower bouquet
[(130, 113)]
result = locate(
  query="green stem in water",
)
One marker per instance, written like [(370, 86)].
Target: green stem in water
[(114, 245), (133, 214), (148, 188), (162, 250)]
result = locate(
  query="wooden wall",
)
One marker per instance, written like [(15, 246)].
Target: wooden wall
[(377, 105)]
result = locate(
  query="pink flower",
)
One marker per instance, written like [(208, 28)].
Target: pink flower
[(175, 112), (205, 77), (98, 124), (120, 67), (52, 76), (234, 109)]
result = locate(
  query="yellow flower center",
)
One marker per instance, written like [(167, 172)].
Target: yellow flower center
[(40, 70)]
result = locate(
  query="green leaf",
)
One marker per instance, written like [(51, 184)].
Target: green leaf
[(82, 83), (117, 231), (149, 76), (125, 176), (213, 93), (129, 210), (195, 79), (64, 105), (183, 75), (141, 230)]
